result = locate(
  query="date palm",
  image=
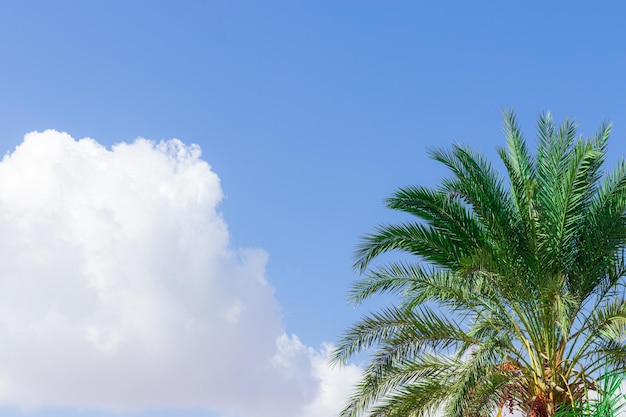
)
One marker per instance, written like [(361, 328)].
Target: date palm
[(512, 294)]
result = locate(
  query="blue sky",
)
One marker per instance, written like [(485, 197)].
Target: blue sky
[(309, 112)]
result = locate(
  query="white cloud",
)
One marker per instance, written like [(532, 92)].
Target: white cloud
[(119, 290), (336, 385)]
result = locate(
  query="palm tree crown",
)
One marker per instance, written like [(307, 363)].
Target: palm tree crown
[(514, 293)]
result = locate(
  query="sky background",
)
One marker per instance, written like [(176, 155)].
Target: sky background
[(207, 276)]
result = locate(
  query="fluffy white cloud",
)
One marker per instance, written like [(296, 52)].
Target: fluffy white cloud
[(119, 290), (336, 385)]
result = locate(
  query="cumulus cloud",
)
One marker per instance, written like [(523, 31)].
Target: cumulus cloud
[(119, 289), (336, 384)]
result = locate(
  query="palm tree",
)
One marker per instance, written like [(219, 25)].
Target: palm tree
[(514, 294)]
